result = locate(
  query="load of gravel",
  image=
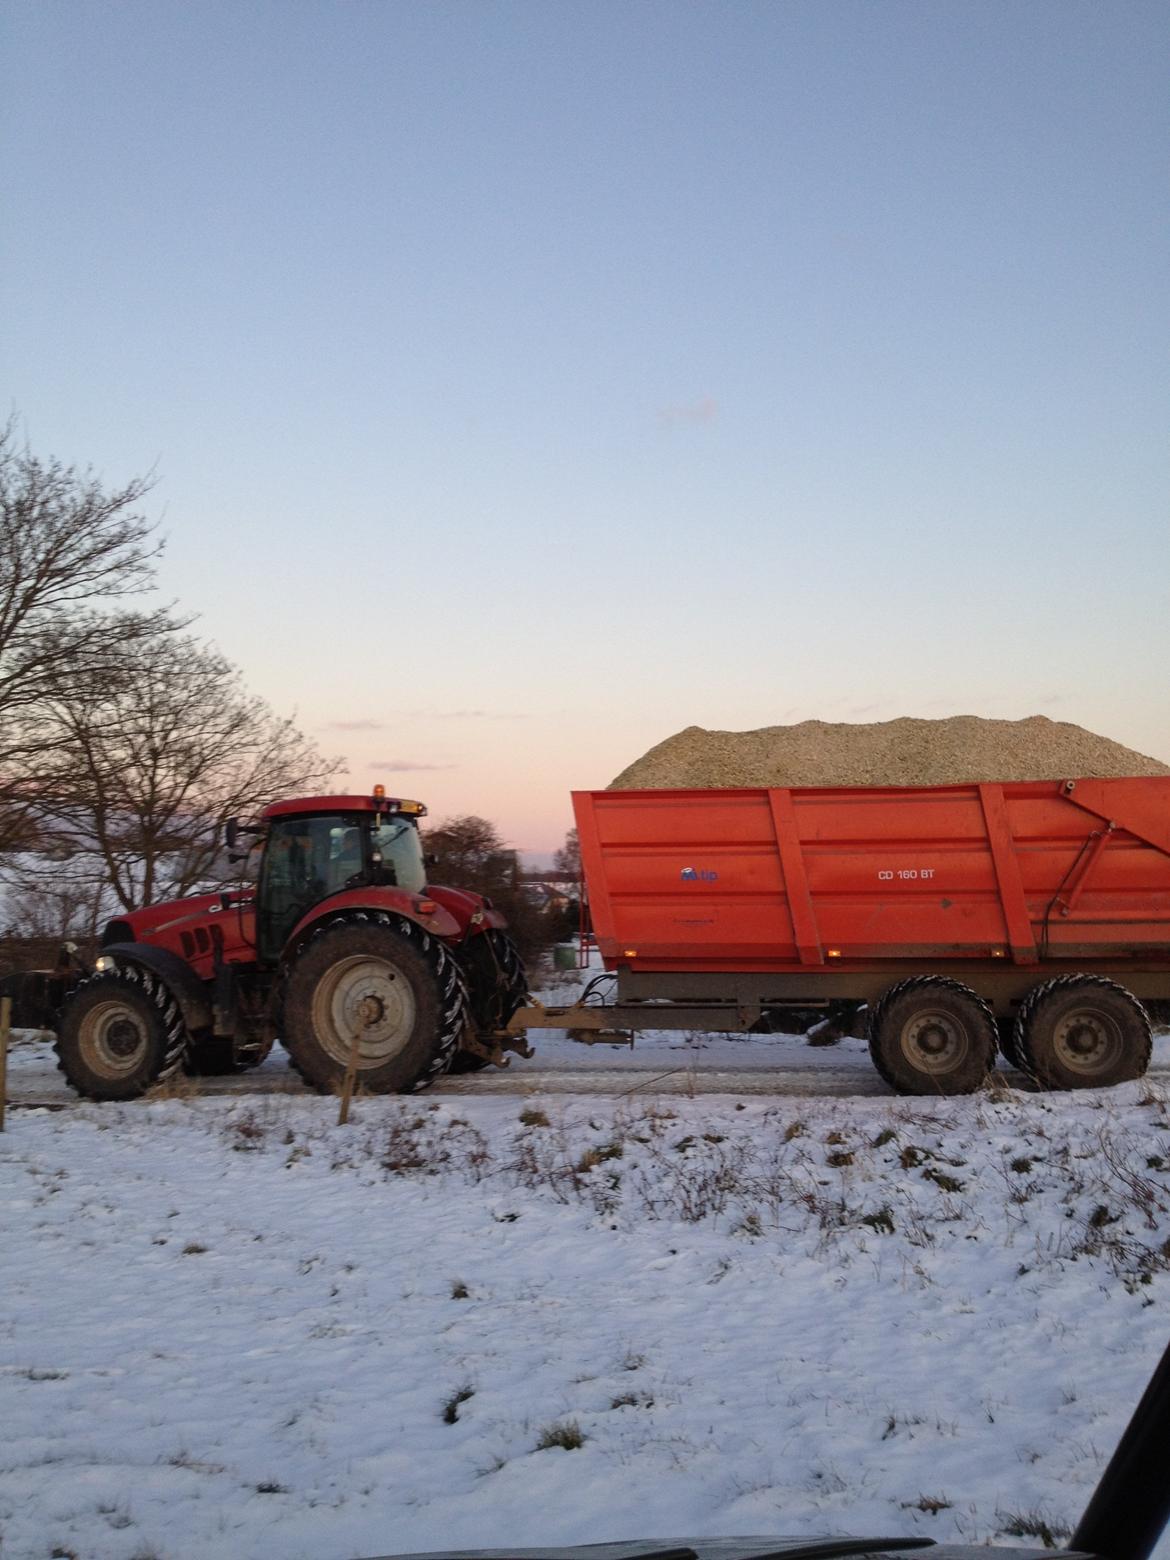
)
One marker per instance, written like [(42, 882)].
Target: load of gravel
[(890, 752)]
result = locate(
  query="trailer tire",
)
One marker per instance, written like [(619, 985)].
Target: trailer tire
[(1082, 1032), (931, 1035), (120, 1034), (497, 987)]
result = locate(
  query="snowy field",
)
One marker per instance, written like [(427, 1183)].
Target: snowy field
[(230, 1327)]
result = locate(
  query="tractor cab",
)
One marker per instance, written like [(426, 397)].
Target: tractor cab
[(316, 847)]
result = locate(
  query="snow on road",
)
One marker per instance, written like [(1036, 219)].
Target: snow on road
[(229, 1327), (660, 1061)]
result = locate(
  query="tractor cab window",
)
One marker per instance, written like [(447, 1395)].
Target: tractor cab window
[(306, 859), (397, 841)]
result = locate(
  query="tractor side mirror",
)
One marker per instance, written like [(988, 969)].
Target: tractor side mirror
[(232, 830)]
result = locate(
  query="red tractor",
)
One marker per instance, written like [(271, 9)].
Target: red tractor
[(340, 942)]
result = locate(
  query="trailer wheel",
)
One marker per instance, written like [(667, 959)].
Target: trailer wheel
[(497, 985), (121, 1033), (1082, 1032), (385, 981), (931, 1035)]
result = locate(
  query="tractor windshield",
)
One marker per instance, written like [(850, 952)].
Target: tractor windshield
[(401, 850)]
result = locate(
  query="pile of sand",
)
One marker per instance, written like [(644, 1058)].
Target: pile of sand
[(891, 752)]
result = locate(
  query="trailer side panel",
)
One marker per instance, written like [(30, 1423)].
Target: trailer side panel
[(1031, 873)]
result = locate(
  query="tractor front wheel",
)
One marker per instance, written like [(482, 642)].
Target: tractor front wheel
[(383, 983), (497, 985), (121, 1033)]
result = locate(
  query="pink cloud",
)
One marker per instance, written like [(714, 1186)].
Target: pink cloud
[(403, 765), (692, 414)]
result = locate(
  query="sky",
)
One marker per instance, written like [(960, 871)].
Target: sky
[(527, 381)]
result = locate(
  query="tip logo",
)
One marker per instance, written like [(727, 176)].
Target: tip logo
[(698, 875)]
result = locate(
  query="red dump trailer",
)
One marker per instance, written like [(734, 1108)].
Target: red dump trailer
[(1029, 916)]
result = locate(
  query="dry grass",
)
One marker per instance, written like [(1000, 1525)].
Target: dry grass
[(454, 1403), (567, 1435), (1033, 1524), (1103, 1197)]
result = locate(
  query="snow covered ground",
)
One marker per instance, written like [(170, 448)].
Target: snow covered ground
[(230, 1327)]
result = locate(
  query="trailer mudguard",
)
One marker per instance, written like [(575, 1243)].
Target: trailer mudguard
[(192, 995)]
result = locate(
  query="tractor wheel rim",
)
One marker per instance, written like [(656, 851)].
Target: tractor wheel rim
[(934, 1042), (1087, 1041), (368, 999), (113, 1039)]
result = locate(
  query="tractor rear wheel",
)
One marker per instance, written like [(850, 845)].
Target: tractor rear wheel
[(497, 985), (1082, 1032), (384, 982), (931, 1035), (121, 1032)]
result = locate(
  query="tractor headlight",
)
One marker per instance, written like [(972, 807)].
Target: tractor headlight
[(104, 963)]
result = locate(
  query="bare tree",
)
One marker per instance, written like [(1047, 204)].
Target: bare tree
[(59, 894), (142, 773), (470, 852), (71, 552), (567, 857)]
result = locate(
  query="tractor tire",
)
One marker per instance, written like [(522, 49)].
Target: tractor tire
[(931, 1035), (385, 979), (1082, 1032), (497, 986), (121, 1033)]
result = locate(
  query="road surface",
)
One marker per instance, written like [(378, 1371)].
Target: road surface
[(792, 1069)]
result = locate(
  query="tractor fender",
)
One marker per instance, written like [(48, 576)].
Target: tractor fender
[(192, 995), (394, 901), (473, 912)]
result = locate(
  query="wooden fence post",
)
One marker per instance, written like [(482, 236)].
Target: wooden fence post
[(5, 1029), (350, 1078)]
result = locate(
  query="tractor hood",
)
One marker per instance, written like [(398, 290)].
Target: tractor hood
[(175, 915), (200, 930)]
